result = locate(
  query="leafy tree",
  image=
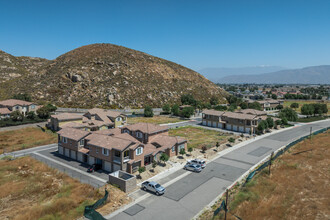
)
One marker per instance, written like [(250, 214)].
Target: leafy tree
[(182, 152), (217, 145), (307, 109), (214, 100), (284, 121), (154, 164), (204, 148), (274, 96), (206, 105), (43, 112), (279, 107), (51, 108), (220, 107), (164, 157), (255, 105), (270, 122), (175, 110), (148, 111), (190, 149), (262, 126), (294, 105), (187, 112), (188, 99), (31, 115), (244, 105), (289, 114), (16, 116), (22, 96), (167, 109)]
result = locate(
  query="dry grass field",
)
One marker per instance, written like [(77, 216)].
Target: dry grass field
[(31, 190), (298, 187), (25, 138), (154, 120), (199, 137)]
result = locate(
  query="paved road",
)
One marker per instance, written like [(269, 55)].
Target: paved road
[(10, 128), (186, 197)]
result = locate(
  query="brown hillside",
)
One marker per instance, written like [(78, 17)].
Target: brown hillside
[(109, 75)]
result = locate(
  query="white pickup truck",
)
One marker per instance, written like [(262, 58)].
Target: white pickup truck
[(153, 187)]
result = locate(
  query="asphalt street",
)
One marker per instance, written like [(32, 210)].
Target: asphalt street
[(186, 197)]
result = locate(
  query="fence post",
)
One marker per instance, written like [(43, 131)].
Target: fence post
[(226, 208), (270, 162)]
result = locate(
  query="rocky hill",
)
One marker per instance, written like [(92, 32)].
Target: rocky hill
[(103, 75)]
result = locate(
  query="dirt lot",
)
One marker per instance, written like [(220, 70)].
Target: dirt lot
[(155, 120), (199, 137), (31, 190), (298, 187), (25, 138)]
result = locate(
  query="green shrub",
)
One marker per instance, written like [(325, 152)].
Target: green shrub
[(231, 140)]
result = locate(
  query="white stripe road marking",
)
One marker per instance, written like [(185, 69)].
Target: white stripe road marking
[(70, 167)]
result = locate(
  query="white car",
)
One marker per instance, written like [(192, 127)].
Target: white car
[(199, 162)]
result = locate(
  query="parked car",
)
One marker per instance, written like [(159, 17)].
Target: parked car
[(94, 167), (153, 187), (200, 162), (193, 167)]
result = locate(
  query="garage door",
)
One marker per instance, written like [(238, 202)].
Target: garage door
[(115, 167), (214, 124), (67, 152), (107, 166), (219, 125), (73, 155), (91, 160), (247, 130), (241, 129), (228, 127), (209, 123), (204, 122), (60, 150), (80, 157)]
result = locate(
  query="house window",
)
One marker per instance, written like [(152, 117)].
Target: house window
[(105, 152), (126, 131), (81, 142), (173, 148), (33, 106), (118, 119), (181, 147), (139, 134), (64, 140), (139, 151), (117, 153), (17, 107), (97, 150), (126, 153)]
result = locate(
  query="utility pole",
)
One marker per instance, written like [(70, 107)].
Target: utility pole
[(226, 208), (270, 162)]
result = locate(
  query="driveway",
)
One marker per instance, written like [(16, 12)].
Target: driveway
[(186, 197)]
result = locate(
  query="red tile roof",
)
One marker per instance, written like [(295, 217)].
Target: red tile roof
[(67, 116), (13, 102), (147, 128), (4, 111), (73, 133)]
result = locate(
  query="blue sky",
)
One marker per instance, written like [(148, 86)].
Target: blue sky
[(196, 34)]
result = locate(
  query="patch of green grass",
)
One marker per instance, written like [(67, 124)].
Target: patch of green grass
[(311, 119)]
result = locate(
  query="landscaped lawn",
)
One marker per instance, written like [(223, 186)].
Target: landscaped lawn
[(301, 103), (154, 120), (31, 190), (298, 187), (199, 137), (25, 138), (311, 119)]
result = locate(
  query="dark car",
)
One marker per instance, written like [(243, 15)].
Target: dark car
[(94, 167)]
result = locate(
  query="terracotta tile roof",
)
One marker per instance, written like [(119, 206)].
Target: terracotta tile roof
[(126, 136), (72, 133), (149, 149), (239, 115), (13, 102), (4, 111), (252, 111), (108, 142), (213, 112), (105, 114), (147, 128), (84, 150), (109, 132), (166, 141), (67, 116), (72, 125)]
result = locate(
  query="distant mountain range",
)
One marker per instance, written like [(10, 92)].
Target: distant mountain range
[(307, 75), (216, 74)]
